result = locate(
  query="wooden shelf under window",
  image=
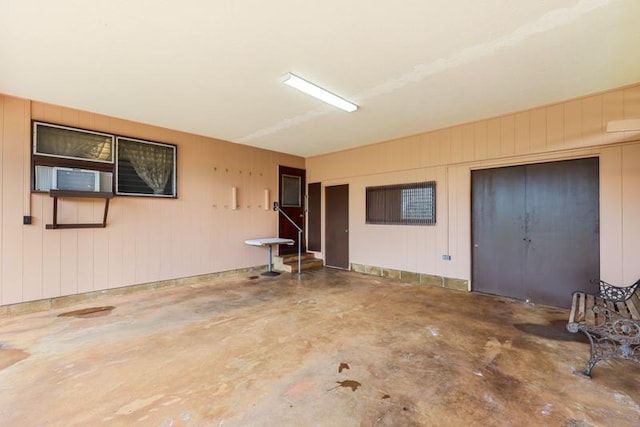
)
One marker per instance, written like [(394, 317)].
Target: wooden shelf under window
[(107, 196)]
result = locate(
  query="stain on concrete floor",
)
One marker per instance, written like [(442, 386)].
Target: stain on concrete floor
[(89, 312), (237, 352), (10, 356)]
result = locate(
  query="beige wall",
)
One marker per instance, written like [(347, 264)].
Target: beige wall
[(146, 239), (561, 131)]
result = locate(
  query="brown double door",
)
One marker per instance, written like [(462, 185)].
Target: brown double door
[(535, 230)]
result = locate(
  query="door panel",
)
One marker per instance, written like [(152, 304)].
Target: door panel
[(314, 217), (535, 230), (562, 230), (337, 226), (498, 218), (291, 195)]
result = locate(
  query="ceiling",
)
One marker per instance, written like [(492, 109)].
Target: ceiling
[(214, 68)]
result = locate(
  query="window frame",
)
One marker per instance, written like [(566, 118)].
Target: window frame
[(284, 190), (385, 204), (36, 152), (39, 158), (174, 169)]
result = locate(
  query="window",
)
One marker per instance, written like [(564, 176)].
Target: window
[(409, 204), (291, 190), (65, 142), (145, 168), (61, 151), (76, 159)]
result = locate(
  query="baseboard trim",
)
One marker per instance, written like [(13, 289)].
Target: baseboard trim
[(67, 300), (413, 277)]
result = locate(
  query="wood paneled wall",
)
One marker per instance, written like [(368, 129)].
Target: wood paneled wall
[(566, 130), (146, 239)]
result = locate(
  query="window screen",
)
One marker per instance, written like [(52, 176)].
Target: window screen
[(411, 204)]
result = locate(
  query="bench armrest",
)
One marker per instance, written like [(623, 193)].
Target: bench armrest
[(612, 293)]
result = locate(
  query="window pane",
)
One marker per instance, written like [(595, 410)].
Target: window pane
[(61, 141), (145, 168), (291, 191), (416, 204)]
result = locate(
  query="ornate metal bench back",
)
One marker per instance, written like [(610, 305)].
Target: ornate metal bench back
[(616, 293)]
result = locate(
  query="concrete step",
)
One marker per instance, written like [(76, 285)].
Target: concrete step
[(291, 258), (289, 263)]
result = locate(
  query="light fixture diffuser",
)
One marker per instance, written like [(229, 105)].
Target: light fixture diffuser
[(317, 92), (623, 125)]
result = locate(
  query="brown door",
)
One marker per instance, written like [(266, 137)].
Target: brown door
[(314, 217), (337, 226), (291, 199), (535, 230)]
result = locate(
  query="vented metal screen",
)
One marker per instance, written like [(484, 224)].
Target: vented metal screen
[(411, 204)]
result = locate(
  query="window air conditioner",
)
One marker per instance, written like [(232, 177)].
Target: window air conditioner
[(75, 179)]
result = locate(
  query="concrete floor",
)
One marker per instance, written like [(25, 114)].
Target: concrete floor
[(333, 349)]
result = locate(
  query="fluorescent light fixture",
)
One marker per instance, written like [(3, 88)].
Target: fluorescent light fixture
[(319, 93)]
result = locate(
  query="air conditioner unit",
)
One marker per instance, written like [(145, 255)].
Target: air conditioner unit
[(75, 179)]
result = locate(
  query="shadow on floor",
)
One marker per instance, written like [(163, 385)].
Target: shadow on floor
[(554, 330)]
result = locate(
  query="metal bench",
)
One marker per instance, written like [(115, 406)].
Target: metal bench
[(611, 321)]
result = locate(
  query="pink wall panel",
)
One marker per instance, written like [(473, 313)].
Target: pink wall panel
[(611, 205), (632, 102), (14, 132), (592, 124), (494, 138), (33, 255), (481, 143), (555, 127), (612, 109), (572, 115), (86, 260), (69, 262), (522, 132), (457, 147), (507, 135), (100, 254), (538, 130), (630, 212), (468, 142)]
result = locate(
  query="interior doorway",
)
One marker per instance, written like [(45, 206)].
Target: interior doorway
[(535, 230)]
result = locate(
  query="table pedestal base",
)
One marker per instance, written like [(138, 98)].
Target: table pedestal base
[(270, 273)]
